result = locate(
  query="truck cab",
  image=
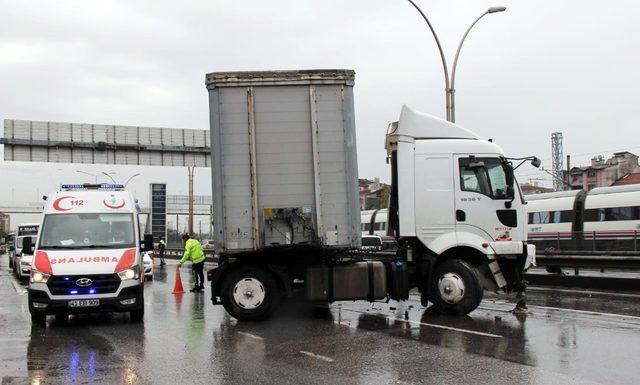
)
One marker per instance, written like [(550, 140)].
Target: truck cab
[(457, 210), (88, 255)]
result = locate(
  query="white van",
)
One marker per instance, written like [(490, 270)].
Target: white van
[(88, 256), (20, 261)]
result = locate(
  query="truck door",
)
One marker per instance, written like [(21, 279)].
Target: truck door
[(481, 193)]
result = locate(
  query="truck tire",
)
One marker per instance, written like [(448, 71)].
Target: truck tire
[(250, 293), (455, 287)]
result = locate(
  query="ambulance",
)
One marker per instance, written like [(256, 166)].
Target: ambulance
[(88, 254)]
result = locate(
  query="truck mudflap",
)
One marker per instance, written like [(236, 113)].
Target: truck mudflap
[(214, 276)]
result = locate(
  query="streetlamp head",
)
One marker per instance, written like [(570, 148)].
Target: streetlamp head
[(496, 9)]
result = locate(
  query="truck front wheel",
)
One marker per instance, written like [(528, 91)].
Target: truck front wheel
[(455, 287), (250, 294)]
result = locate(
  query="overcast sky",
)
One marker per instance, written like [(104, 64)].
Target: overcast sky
[(539, 67)]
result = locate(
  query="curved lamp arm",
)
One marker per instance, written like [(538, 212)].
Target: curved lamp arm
[(444, 61)]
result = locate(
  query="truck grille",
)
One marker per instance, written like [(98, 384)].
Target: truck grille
[(100, 284)]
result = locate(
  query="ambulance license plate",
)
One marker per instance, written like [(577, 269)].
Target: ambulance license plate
[(84, 303)]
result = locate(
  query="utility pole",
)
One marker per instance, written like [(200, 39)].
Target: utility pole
[(556, 161), (190, 170), (210, 221), (569, 171)]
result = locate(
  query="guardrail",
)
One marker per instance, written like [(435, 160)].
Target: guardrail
[(177, 253)]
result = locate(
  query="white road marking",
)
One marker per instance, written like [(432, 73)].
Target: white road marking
[(317, 356), (251, 336), (437, 326)]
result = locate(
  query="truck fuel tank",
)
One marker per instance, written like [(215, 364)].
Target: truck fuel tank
[(353, 281)]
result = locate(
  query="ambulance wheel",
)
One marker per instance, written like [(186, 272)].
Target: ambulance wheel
[(138, 314), (250, 293), (455, 287), (38, 319)]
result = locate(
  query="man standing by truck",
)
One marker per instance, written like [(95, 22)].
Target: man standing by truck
[(193, 252)]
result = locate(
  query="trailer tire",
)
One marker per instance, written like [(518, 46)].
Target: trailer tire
[(250, 293), (455, 287)]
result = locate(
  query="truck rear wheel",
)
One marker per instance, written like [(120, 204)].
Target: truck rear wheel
[(455, 287), (250, 294)]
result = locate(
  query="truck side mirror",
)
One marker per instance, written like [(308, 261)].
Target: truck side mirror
[(510, 181), (147, 243), (27, 245), (536, 162)]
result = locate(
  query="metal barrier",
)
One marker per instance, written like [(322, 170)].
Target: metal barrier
[(177, 253)]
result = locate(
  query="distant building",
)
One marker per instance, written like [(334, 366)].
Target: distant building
[(5, 225), (528, 188), (373, 194), (603, 173), (631, 178)]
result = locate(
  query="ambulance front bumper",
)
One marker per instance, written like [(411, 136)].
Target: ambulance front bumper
[(128, 299)]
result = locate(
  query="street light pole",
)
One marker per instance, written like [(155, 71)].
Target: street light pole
[(452, 90), (450, 85), (444, 61), (128, 180), (108, 174)]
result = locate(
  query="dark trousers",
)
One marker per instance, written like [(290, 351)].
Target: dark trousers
[(198, 273)]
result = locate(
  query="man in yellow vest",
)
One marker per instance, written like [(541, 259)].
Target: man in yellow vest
[(193, 252)]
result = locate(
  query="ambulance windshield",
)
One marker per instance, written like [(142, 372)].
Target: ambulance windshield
[(87, 231)]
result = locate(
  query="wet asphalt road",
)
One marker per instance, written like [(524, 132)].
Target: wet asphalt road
[(567, 338)]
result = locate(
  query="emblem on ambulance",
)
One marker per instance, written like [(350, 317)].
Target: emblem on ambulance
[(113, 202), (63, 203)]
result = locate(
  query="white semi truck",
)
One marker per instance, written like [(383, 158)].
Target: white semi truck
[(286, 202)]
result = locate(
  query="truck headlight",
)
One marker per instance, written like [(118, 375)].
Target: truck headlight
[(130, 273), (27, 264), (39, 277)]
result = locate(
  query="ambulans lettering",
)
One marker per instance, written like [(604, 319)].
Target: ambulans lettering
[(63, 260)]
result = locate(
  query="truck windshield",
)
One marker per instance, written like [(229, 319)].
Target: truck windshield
[(83, 231), (489, 180)]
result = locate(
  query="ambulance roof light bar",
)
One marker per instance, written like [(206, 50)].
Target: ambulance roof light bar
[(91, 186)]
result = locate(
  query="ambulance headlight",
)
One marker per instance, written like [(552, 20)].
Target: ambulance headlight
[(39, 277), (130, 273)]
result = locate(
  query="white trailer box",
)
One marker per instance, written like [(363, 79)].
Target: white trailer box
[(284, 167)]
